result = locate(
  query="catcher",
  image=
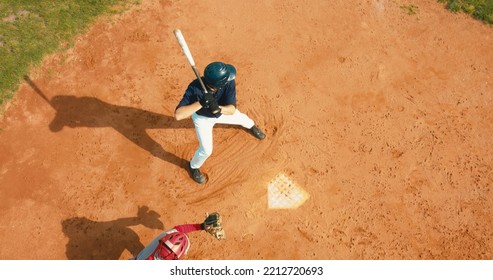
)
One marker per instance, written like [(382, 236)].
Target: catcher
[(174, 243), (218, 105)]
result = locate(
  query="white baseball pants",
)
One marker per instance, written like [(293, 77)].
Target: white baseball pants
[(203, 128)]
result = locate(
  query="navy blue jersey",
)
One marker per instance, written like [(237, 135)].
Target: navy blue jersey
[(224, 96)]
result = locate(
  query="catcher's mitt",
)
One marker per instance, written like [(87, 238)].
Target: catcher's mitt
[(213, 225)]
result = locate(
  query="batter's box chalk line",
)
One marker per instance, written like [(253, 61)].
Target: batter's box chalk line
[(284, 193)]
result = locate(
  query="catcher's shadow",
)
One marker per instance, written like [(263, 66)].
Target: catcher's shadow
[(72, 111), (92, 240)]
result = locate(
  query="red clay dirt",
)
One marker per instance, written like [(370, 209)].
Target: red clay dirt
[(383, 116)]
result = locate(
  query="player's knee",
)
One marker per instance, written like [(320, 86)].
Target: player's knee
[(206, 150)]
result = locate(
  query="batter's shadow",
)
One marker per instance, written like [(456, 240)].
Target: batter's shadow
[(73, 111), (93, 240)]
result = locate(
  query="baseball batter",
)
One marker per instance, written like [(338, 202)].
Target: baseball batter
[(218, 105), (174, 243)]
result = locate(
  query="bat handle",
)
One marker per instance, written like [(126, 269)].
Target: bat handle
[(199, 78)]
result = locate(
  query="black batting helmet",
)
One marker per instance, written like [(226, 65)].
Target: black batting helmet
[(218, 74)]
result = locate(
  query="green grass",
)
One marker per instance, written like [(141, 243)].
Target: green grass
[(479, 9), (410, 9), (31, 29)]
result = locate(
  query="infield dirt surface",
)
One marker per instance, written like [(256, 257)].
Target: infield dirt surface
[(380, 110)]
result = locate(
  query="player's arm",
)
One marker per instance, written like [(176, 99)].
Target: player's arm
[(187, 111), (212, 224), (228, 109), (188, 228), (187, 105)]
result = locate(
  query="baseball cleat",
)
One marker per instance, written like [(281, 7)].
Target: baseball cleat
[(197, 176), (255, 131)]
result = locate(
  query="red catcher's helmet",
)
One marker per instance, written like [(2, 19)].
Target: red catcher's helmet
[(173, 246)]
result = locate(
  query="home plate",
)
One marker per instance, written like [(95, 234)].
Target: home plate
[(283, 193)]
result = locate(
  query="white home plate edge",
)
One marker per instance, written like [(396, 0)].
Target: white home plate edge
[(284, 193)]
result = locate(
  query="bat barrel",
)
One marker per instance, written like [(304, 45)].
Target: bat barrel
[(184, 46)]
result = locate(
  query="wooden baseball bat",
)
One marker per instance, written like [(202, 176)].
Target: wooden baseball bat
[(188, 55)]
